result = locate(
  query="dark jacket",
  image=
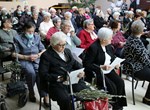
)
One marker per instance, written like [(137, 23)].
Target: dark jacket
[(37, 24), (50, 63), (95, 55), (135, 53)]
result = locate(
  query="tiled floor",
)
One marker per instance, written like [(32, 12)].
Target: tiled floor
[(139, 93)]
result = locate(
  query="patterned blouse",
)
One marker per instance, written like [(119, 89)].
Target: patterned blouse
[(136, 53)]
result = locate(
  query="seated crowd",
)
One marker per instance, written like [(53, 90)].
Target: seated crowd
[(45, 41)]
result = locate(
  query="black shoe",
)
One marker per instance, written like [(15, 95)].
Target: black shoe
[(45, 103), (146, 101), (32, 98)]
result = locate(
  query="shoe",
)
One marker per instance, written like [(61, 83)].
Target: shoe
[(45, 103), (32, 98), (146, 101)]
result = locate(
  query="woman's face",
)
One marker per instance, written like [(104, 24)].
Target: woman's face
[(60, 46), (30, 30), (91, 26), (66, 28), (119, 27), (8, 24)]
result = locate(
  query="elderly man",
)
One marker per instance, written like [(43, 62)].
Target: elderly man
[(55, 57)]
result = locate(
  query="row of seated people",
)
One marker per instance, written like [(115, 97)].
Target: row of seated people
[(30, 48)]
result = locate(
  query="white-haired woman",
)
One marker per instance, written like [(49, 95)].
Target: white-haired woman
[(45, 26), (51, 62), (68, 16), (135, 53), (101, 54), (72, 40), (87, 35)]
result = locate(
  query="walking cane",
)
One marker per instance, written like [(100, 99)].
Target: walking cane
[(71, 90), (103, 76)]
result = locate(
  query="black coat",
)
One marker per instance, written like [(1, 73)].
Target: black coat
[(50, 63), (95, 55)]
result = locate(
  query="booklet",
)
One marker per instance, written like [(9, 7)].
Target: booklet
[(113, 64), (74, 76), (75, 50)]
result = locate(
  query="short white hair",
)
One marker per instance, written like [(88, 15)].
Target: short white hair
[(68, 13), (46, 14), (116, 14), (52, 10), (137, 27), (138, 10), (57, 38), (104, 33)]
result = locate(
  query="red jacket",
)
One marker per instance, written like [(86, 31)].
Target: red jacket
[(85, 38), (50, 32)]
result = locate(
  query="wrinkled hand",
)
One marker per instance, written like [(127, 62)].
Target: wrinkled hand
[(33, 57), (7, 49), (121, 44), (60, 79), (105, 67), (117, 66), (81, 75), (72, 33)]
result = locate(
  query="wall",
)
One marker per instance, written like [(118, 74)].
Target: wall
[(105, 4), (38, 3)]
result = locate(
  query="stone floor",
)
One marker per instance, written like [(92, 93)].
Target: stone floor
[(139, 93)]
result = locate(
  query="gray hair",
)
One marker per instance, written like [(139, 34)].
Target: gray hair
[(57, 38), (87, 22), (65, 22), (52, 10), (56, 19), (137, 27), (46, 14), (68, 13), (104, 33)]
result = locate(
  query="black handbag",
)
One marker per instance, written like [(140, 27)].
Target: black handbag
[(14, 88)]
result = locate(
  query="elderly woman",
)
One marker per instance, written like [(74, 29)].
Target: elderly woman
[(100, 53), (45, 26), (87, 35), (118, 39), (72, 39), (135, 53), (52, 30), (68, 16), (6, 35), (29, 49), (55, 57)]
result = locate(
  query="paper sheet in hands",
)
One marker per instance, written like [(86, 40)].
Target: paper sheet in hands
[(113, 64), (74, 76), (75, 50)]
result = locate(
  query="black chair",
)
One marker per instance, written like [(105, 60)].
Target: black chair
[(2, 70), (130, 72)]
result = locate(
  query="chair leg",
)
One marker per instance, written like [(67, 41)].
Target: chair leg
[(40, 103), (133, 91), (2, 76), (143, 83), (50, 104), (136, 83)]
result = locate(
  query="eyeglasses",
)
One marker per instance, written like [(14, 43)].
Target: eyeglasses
[(91, 24), (61, 45)]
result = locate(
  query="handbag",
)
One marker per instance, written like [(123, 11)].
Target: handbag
[(14, 88), (99, 104)]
